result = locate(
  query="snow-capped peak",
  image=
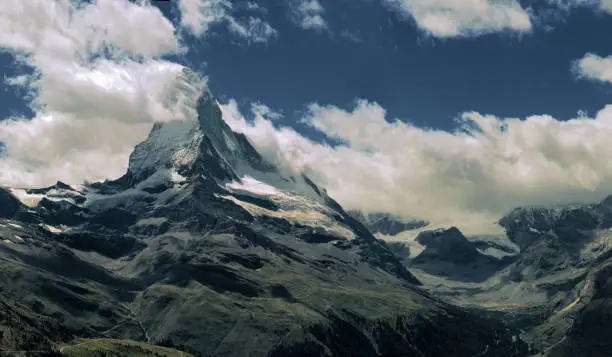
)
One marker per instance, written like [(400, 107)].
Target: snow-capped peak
[(205, 146)]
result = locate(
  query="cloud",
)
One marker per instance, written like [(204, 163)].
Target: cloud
[(594, 67), (469, 177), (252, 29), (17, 81), (262, 110), (59, 28), (460, 18), (95, 91), (198, 16), (603, 5), (308, 14)]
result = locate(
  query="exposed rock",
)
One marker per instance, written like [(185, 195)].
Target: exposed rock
[(9, 204), (447, 244)]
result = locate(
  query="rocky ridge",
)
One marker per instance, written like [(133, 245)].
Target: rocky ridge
[(554, 287)]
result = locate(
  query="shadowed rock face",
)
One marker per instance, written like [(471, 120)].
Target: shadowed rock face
[(447, 244), (571, 224), (449, 254), (9, 205), (588, 333)]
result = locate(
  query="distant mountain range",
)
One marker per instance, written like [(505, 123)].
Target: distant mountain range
[(386, 223)]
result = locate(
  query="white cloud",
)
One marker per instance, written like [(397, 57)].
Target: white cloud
[(308, 14), (594, 67), (603, 5), (251, 5), (469, 177), (17, 81), (453, 18), (98, 86), (198, 16), (59, 28), (262, 110), (252, 29)]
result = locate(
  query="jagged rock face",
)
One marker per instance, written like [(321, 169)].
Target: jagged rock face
[(9, 205), (206, 147), (387, 224), (569, 223), (449, 254), (556, 289), (556, 239), (205, 246)]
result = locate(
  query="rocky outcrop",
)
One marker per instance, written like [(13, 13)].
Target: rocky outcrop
[(448, 245), (9, 204)]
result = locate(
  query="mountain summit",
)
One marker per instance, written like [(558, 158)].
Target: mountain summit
[(206, 247), (193, 166)]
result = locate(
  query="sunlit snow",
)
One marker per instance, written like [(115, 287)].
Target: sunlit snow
[(252, 185)]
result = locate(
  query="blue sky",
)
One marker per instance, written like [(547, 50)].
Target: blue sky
[(500, 103), (369, 51), (416, 77), (422, 79)]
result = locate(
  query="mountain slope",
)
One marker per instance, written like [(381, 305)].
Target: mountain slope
[(555, 288), (206, 247)]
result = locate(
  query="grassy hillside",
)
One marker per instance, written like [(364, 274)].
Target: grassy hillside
[(116, 348)]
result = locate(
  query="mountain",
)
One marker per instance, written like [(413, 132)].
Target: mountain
[(566, 253), (555, 287), (205, 247), (386, 223), (448, 245)]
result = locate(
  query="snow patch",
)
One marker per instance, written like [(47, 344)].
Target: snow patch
[(53, 229), (6, 241), (252, 185), (495, 253), (33, 199), (18, 238), (176, 177), (155, 221), (286, 199), (14, 225), (171, 144), (229, 142), (300, 215), (408, 238), (277, 180)]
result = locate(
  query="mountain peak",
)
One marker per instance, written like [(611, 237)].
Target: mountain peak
[(204, 145)]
